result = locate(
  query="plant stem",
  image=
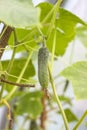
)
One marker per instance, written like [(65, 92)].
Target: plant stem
[(34, 30), (13, 54), (17, 84), (4, 39), (53, 50), (44, 112), (57, 99), (3, 31), (21, 43), (56, 10), (80, 121), (20, 76), (48, 15), (9, 66), (16, 77), (8, 70), (51, 27), (1, 92), (1, 66), (9, 114)]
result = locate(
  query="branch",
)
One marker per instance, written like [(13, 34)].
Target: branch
[(9, 114), (17, 84), (4, 39), (44, 112)]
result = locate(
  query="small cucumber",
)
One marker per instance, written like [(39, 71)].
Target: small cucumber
[(43, 74)]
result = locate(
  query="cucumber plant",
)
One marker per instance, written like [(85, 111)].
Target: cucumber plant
[(23, 35)]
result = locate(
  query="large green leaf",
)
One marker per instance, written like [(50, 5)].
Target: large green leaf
[(77, 73), (18, 13), (30, 103), (65, 26)]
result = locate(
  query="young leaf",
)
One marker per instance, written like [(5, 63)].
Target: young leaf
[(70, 115), (77, 73), (63, 99), (18, 13)]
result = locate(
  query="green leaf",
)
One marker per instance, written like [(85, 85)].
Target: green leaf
[(25, 36), (18, 13), (36, 94), (65, 26), (16, 70), (30, 103), (17, 67), (63, 99), (70, 115), (62, 42), (82, 35), (45, 8), (77, 73)]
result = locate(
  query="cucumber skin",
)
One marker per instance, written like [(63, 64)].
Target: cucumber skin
[(43, 74)]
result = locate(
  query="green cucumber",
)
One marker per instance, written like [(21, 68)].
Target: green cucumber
[(43, 74)]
